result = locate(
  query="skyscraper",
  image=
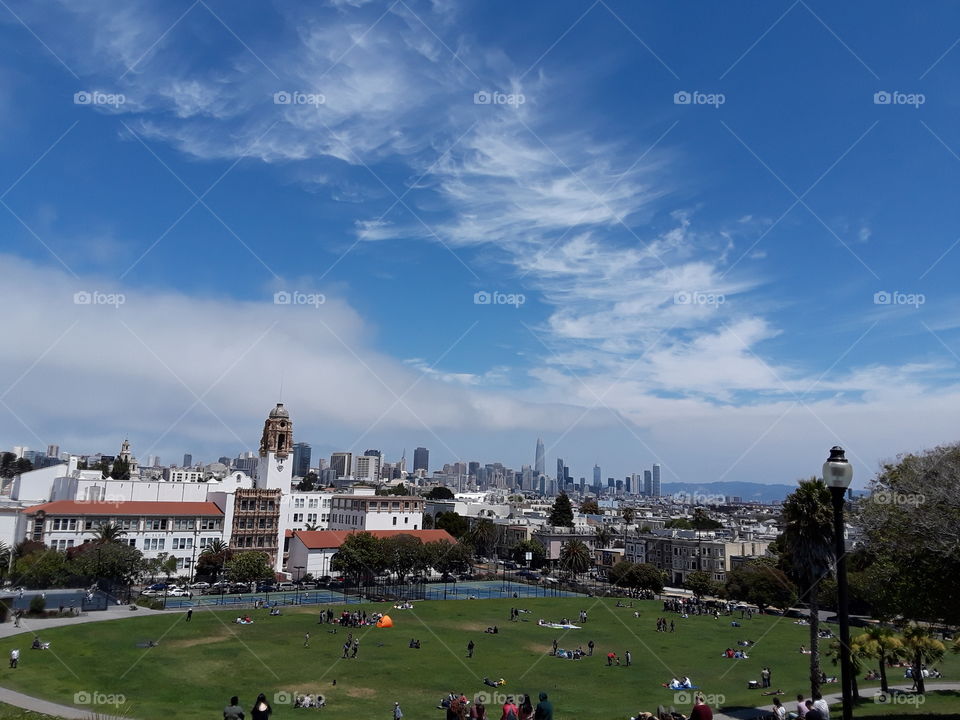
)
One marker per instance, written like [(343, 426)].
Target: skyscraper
[(301, 459), (560, 472), (648, 483), (656, 480), (187, 460), (341, 464), (421, 459), (539, 465), (53, 451), (596, 475)]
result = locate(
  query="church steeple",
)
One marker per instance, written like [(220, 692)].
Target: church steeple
[(277, 433)]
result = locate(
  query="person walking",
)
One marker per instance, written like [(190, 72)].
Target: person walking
[(470, 647), (233, 711), (189, 614), (589, 648), (544, 709), (346, 650), (14, 657), (628, 657), (306, 640), (397, 712), (261, 708), (356, 648), (554, 646)]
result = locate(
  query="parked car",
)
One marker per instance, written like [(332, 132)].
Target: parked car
[(158, 586), (324, 579), (284, 586), (528, 574), (200, 585), (266, 587), (179, 592), (150, 592), (309, 585)]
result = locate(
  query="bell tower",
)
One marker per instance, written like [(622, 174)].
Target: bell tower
[(275, 468)]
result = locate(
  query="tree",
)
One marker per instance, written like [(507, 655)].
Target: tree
[(439, 493), (561, 514), (807, 554), (108, 532), (679, 524), (603, 536), (249, 566), (114, 561), (619, 574), (11, 465), (922, 649), (361, 557), (41, 569), (589, 507), (402, 554), (701, 521), (428, 522), (911, 531), (453, 522), (881, 644), (446, 558), (628, 514), (647, 577), (5, 557), (309, 483), (761, 585), (518, 553), (483, 537), (700, 583), (857, 657), (575, 556)]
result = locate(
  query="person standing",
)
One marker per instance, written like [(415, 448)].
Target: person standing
[(233, 711), (628, 657), (306, 640), (765, 677), (525, 709), (189, 614), (589, 647), (510, 710), (261, 708), (544, 709), (397, 712), (554, 646), (470, 647), (14, 657), (701, 711), (356, 648)]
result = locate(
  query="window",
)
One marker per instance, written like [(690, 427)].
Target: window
[(153, 544), (183, 524), (183, 543), (184, 562), (298, 517), (406, 520), (313, 503), (394, 520), (61, 544), (156, 524), (298, 502), (65, 524), (209, 524), (312, 518)]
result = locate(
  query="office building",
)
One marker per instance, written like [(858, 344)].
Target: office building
[(366, 467), (421, 459), (596, 475), (648, 483), (301, 459), (656, 481), (53, 451), (342, 464), (539, 465), (187, 460)]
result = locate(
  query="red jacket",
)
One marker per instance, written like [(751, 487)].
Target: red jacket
[(701, 712)]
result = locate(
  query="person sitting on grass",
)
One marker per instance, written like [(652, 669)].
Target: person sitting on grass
[(740, 655), (773, 692)]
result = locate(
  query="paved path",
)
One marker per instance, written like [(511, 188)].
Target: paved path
[(113, 612), (833, 700)]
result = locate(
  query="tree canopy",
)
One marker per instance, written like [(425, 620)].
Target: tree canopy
[(561, 514)]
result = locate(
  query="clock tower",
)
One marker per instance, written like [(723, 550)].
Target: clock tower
[(275, 469)]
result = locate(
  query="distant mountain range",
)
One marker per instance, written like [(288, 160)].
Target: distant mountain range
[(708, 493)]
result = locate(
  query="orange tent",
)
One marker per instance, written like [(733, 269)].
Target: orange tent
[(385, 622)]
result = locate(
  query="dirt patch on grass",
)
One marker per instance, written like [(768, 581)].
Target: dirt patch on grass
[(466, 626), (539, 649), (361, 692), (193, 642)]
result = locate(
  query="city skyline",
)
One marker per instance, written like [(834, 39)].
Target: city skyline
[(691, 250)]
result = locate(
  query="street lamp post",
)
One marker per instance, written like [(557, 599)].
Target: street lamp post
[(837, 474)]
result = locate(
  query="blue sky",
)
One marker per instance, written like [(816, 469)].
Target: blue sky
[(699, 280)]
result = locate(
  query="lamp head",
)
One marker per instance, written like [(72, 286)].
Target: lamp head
[(837, 471)]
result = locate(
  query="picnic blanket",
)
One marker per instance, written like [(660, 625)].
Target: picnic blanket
[(558, 626)]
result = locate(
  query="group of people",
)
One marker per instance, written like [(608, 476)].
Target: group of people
[(662, 625), (700, 711), (458, 707), (414, 643), (684, 683), (261, 709), (243, 620), (309, 701), (735, 654)]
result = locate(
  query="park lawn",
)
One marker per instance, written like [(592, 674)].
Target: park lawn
[(197, 666)]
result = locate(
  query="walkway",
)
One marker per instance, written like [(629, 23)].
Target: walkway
[(833, 700)]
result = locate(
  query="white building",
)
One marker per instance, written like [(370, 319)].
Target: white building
[(180, 529), (366, 467), (364, 510)]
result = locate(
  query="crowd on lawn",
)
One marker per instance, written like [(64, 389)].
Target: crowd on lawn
[(519, 707)]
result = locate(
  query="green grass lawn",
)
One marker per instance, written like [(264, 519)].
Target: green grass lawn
[(198, 665)]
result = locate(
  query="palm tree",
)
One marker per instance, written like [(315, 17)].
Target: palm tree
[(217, 549), (881, 644), (808, 554), (108, 533), (858, 654), (603, 536), (482, 536), (310, 527), (922, 648), (575, 556)]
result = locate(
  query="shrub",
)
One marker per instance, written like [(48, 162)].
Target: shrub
[(149, 603), (5, 611), (37, 605)]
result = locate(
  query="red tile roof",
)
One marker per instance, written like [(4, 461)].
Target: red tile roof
[(325, 539), (126, 507)]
